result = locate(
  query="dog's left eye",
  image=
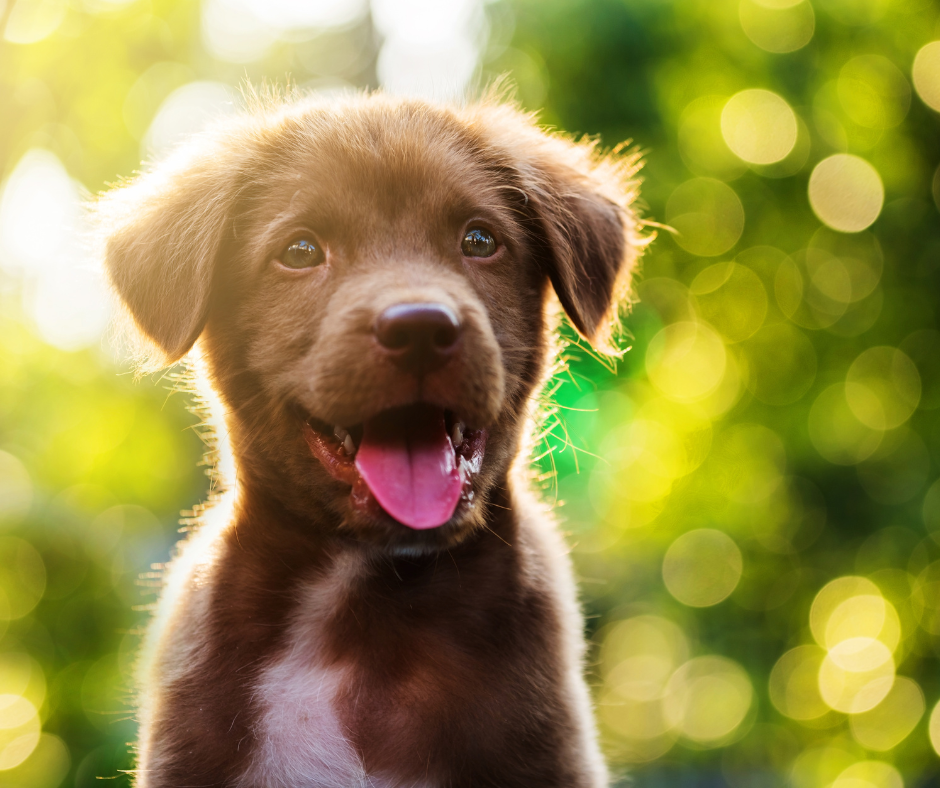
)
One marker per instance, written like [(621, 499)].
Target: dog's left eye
[(302, 254), (478, 243)]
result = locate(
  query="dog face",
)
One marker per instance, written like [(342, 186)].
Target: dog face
[(368, 281)]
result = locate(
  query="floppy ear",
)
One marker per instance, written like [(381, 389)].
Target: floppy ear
[(587, 254), (580, 203), (160, 235)]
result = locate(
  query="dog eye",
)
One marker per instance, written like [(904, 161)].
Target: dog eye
[(302, 254), (478, 243)]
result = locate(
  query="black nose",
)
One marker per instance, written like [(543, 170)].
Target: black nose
[(418, 338)]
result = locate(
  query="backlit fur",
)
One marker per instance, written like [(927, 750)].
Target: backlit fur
[(300, 641)]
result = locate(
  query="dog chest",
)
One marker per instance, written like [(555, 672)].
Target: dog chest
[(301, 741)]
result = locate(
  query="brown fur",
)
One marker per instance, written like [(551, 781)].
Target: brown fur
[(456, 652)]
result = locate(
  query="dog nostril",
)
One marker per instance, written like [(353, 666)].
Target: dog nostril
[(418, 338), (394, 337), (446, 336)]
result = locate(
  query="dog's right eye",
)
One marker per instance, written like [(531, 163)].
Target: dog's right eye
[(478, 242), (302, 254)]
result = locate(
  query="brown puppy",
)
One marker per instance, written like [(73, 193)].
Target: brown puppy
[(379, 600)]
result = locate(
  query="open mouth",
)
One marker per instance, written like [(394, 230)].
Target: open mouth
[(416, 462)]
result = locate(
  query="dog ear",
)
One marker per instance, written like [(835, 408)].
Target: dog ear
[(586, 253), (160, 234), (580, 204)]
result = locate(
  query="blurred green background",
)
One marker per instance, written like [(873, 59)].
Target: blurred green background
[(752, 499)]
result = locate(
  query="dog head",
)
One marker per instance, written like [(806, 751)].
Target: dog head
[(368, 280)]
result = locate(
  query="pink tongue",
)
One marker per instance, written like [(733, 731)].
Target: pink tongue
[(409, 464)]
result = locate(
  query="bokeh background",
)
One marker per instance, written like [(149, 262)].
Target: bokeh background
[(752, 496)]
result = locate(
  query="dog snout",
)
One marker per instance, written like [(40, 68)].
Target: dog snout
[(418, 338)]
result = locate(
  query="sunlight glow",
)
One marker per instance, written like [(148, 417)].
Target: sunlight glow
[(31, 21), (43, 240), (187, 110), (686, 361), (16, 490), (243, 31), (431, 48)]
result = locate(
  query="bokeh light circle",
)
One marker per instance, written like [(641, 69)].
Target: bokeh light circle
[(890, 722), (46, 766), (638, 657), (732, 298), (19, 730), (846, 192), (873, 92), (707, 699), (815, 288), (20, 674), (777, 28), (640, 654), (701, 145), (883, 388), (926, 74), (830, 597), (702, 567), (934, 728), (836, 432), (794, 684), (864, 615), (707, 215), (856, 675), (686, 361), (644, 458), (818, 767), (759, 126), (642, 731), (859, 254), (869, 774)]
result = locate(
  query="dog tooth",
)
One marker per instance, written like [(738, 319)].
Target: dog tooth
[(340, 433), (349, 445), (457, 434)]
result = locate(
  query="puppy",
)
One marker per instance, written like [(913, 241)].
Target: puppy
[(380, 600)]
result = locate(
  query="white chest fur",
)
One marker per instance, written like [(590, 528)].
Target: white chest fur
[(300, 740)]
